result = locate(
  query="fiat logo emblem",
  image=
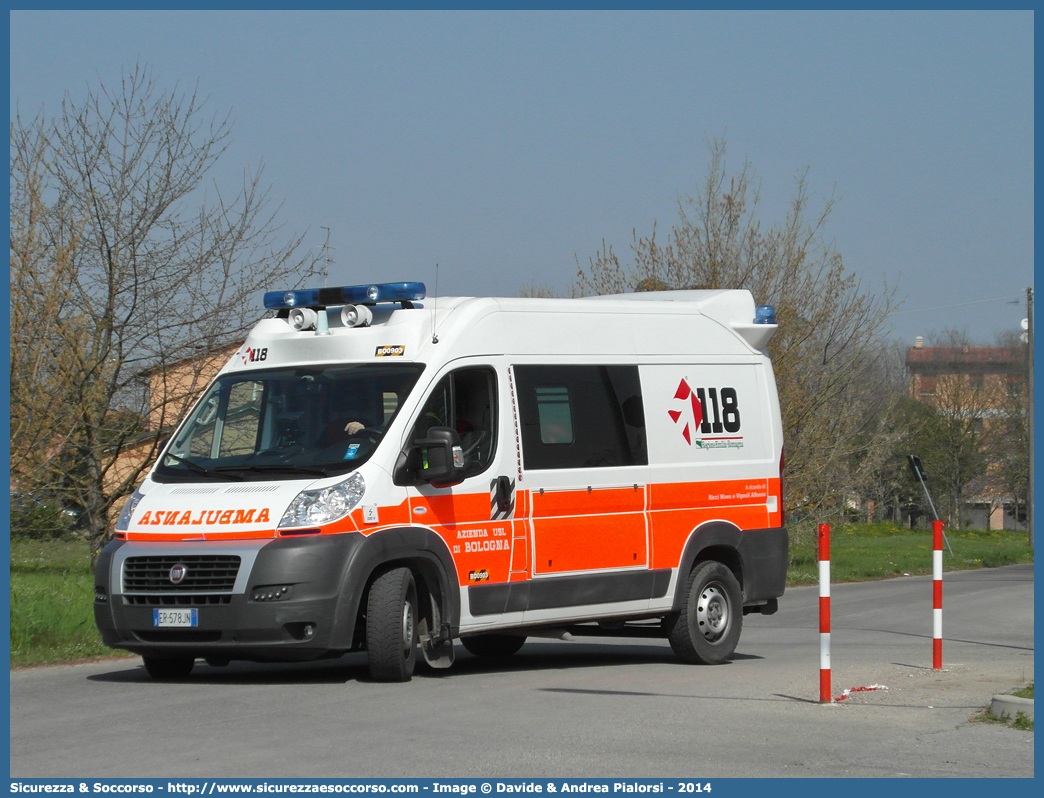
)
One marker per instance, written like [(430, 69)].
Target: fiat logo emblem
[(178, 573)]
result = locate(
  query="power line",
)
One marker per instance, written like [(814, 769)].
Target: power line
[(1009, 299)]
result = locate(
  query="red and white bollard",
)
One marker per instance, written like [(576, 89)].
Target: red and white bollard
[(824, 614), (937, 575)]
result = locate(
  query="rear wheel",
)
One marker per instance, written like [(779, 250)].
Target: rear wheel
[(391, 626), (493, 645), (708, 627), (169, 667)]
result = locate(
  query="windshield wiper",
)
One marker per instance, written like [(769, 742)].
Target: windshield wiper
[(269, 467), (207, 472)]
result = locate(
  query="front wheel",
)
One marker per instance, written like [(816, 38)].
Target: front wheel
[(708, 627), (391, 626), (493, 645), (169, 667)]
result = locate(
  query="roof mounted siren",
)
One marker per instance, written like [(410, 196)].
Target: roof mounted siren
[(305, 308), (302, 318), (356, 316)]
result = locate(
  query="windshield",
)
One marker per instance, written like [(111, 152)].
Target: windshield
[(288, 423)]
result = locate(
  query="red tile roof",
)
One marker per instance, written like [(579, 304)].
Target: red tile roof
[(964, 355)]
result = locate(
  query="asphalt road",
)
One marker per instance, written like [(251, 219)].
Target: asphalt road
[(596, 707)]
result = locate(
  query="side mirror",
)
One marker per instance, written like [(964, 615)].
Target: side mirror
[(440, 457)]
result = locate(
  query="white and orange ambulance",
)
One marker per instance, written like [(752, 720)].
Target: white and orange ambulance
[(370, 471)]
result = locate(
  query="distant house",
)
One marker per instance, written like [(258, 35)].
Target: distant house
[(171, 391), (978, 382)]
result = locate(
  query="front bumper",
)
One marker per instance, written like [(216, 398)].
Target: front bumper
[(311, 621)]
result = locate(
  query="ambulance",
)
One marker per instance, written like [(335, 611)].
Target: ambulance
[(375, 471)]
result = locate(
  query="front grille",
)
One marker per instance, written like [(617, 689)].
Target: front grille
[(179, 600), (204, 573)]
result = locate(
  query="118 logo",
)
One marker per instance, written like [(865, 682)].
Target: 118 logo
[(713, 410), (254, 355)]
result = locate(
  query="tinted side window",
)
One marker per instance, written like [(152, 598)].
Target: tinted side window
[(581, 416), (465, 400)]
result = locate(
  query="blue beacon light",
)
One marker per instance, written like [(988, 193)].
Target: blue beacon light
[(764, 314), (344, 295)]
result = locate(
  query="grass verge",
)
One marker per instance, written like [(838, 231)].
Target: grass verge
[(860, 552), (52, 603), (1024, 692), (1020, 721)]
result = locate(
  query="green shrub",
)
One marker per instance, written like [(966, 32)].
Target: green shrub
[(40, 518)]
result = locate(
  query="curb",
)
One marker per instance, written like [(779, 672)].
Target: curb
[(1011, 705)]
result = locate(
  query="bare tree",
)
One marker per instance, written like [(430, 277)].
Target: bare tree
[(953, 440), (879, 473), (830, 330), (125, 260), (1006, 438), (36, 384), (955, 443), (537, 290)]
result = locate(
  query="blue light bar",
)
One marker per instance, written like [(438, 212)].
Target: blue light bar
[(764, 314), (344, 295)]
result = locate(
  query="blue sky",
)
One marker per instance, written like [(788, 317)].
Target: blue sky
[(505, 145)]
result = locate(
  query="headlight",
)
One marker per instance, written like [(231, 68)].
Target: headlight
[(314, 507), (128, 510)]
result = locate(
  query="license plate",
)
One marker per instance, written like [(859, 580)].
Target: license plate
[(175, 617)]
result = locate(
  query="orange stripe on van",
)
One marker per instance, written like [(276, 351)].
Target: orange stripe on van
[(387, 515), (519, 550), (727, 493), (521, 504), (461, 508), (671, 528), (604, 501), (481, 550), (585, 543), (774, 489), (179, 537), (574, 530), (577, 530)]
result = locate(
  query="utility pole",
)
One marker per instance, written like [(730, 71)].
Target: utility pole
[(1029, 410)]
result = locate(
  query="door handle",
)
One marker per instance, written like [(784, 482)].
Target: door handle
[(502, 498)]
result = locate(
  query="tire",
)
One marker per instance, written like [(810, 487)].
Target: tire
[(493, 645), (708, 627), (169, 667), (391, 626)]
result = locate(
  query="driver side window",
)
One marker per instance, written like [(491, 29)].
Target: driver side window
[(464, 400)]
